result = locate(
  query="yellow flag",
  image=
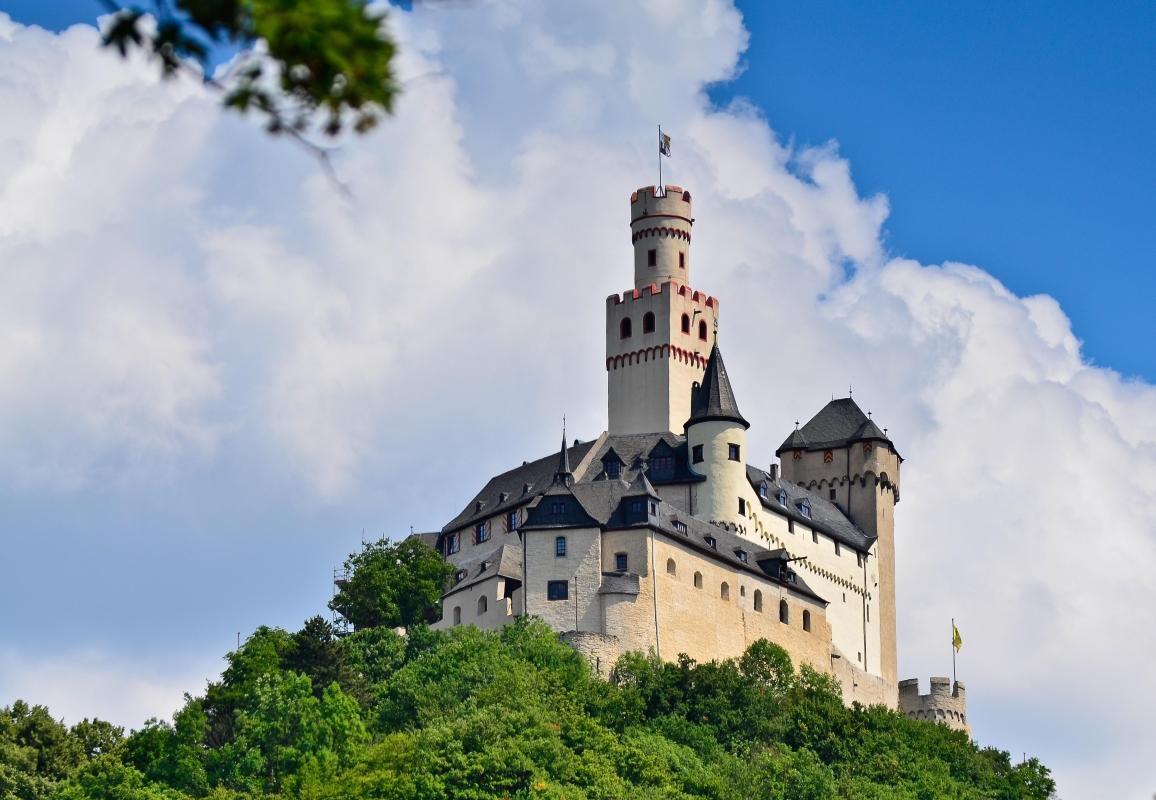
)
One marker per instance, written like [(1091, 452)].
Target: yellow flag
[(956, 639)]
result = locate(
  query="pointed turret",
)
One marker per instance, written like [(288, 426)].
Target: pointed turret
[(562, 475), (714, 399)]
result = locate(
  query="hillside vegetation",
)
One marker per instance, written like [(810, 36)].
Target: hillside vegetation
[(508, 714)]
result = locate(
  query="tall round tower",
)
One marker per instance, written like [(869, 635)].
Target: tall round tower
[(660, 223)]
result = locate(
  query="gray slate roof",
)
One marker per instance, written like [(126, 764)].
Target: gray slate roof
[(504, 560), (837, 424), (714, 399), (826, 517)]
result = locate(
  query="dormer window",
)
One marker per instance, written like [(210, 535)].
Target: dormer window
[(612, 468), (557, 508), (782, 498), (636, 506), (662, 465), (460, 575), (712, 542), (742, 555), (678, 526), (763, 490), (805, 508), (653, 509)]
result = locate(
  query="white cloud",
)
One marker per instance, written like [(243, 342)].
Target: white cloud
[(175, 288)]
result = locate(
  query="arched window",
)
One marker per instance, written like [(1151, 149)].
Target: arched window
[(624, 328), (702, 329), (725, 591), (457, 615), (698, 580), (758, 600), (671, 567), (648, 322), (784, 613), (806, 620), (483, 604), (686, 323)]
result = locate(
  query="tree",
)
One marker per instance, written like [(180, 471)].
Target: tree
[(316, 652), (392, 585), (302, 64)]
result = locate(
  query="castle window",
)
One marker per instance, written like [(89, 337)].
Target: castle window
[(838, 549), (742, 506), (559, 546), (557, 590), (698, 580), (805, 509), (460, 576), (758, 600), (662, 466), (624, 329), (682, 260), (725, 591), (512, 520), (782, 498), (696, 454), (784, 613), (733, 452), (763, 489), (457, 615), (832, 495), (686, 323), (806, 620), (652, 257), (742, 591), (653, 509), (702, 329), (481, 532), (858, 559), (671, 567), (742, 555), (648, 322), (679, 526), (712, 542), (635, 506), (790, 526), (556, 509), (613, 468), (452, 543), (815, 536), (483, 605), (620, 562)]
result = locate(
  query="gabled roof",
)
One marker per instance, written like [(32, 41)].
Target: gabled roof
[(837, 424), (826, 517), (504, 561), (714, 399)]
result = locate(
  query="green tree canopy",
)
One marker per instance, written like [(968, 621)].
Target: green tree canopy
[(392, 585)]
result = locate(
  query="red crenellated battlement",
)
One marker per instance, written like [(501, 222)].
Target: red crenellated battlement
[(681, 289), (672, 192)]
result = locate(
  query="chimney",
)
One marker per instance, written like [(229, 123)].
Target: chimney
[(774, 472)]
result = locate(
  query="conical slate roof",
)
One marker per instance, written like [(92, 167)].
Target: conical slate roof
[(641, 486), (563, 475), (715, 399), (838, 423)]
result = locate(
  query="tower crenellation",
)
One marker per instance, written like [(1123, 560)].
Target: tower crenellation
[(660, 223), (945, 704)]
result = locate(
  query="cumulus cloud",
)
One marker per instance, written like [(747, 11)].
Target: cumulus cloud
[(175, 290)]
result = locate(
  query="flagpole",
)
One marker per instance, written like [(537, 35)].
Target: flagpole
[(660, 160), (953, 652)]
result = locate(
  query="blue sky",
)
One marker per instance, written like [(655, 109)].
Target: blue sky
[(1016, 135), (215, 374)]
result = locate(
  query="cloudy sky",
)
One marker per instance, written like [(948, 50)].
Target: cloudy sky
[(217, 373)]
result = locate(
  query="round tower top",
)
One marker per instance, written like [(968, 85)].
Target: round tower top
[(660, 223)]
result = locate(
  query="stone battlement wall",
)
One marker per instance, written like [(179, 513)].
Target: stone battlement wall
[(945, 704)]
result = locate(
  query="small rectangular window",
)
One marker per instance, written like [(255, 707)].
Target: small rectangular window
[(679, 526), (832, 495), (696, 454), (613, 469), (742, 506), (790, 526), (868, 613), (620, 562), (838, 549), (481, 532), (636, 506), (652, 258), (559, 546), (712, 542), (733, 452), (512, 521), (557, 590), (682, 260), (662, 465), (452, 544), (815, 537), (556, 509)]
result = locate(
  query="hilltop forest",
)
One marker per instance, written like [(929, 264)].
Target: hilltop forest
[(515, 713)]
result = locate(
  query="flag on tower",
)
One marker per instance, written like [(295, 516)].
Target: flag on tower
[(663, 143), (956, 639)]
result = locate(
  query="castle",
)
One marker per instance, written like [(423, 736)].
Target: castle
[(659, 535)]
